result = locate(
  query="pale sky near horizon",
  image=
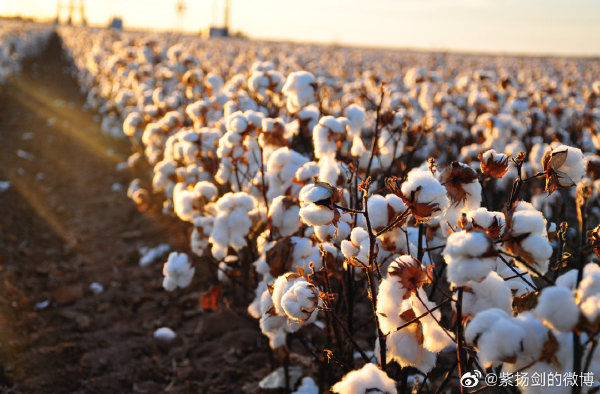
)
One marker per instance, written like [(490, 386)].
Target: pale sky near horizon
[(570, 27)]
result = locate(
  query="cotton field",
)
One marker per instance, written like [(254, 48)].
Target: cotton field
[(395, 221), (17, 41)]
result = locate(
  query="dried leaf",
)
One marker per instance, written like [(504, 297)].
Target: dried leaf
[(525, 302), (209, 300), (408, 315), (279, 256)]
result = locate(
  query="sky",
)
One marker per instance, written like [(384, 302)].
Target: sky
[(564, 27)]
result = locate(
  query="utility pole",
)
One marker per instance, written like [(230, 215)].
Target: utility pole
[(180, 9), (82, 13)]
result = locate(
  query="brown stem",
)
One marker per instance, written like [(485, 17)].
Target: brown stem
[(380, 336), (459, 337), (376, 133)]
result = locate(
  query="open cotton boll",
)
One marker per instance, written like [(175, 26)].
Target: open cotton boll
[(435, 338), (284, 216), (295, 298), (316, 204), (185, 203), (314, 215), (462, 186), (589, 285), (496, 336), (357, 246), (493, 223), (423, 190), (404, 348), (178, 271), (357, 117), (470, 255), (326, 136), (389, 304), (300, 301), (564, 167), (378, 211), (271, 325), (306, 172), (492, 292), (517, 286), (206, 189), (164, 172), (282, 166), (299, 89), (232, 223), (527, 220), (203, 226), (365, 380), (540, 250)]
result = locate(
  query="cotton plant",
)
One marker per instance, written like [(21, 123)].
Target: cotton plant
[(400, 301)]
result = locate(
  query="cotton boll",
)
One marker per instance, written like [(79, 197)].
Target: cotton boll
[(469, 255), (495, 335), (564, 167), (178, 271), (492, 292), (357, 117), (299, 89), (300, 301), (359, 239), (404, 348), (314, 215), (327, 135), (367, 379), (427, 192), (539, 249), (556, 305), (517, 286), (389, 304), (590, 284), (206, 190), (378, 211), (184, 202), (493, 223), (284, 216), (272, 325), (295, 298), (435, 338), (232, 223), (203, 227), (527, 219), (591, 308), (329, 170)]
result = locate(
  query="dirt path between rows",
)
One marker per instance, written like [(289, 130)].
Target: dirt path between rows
[(66, 222)]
